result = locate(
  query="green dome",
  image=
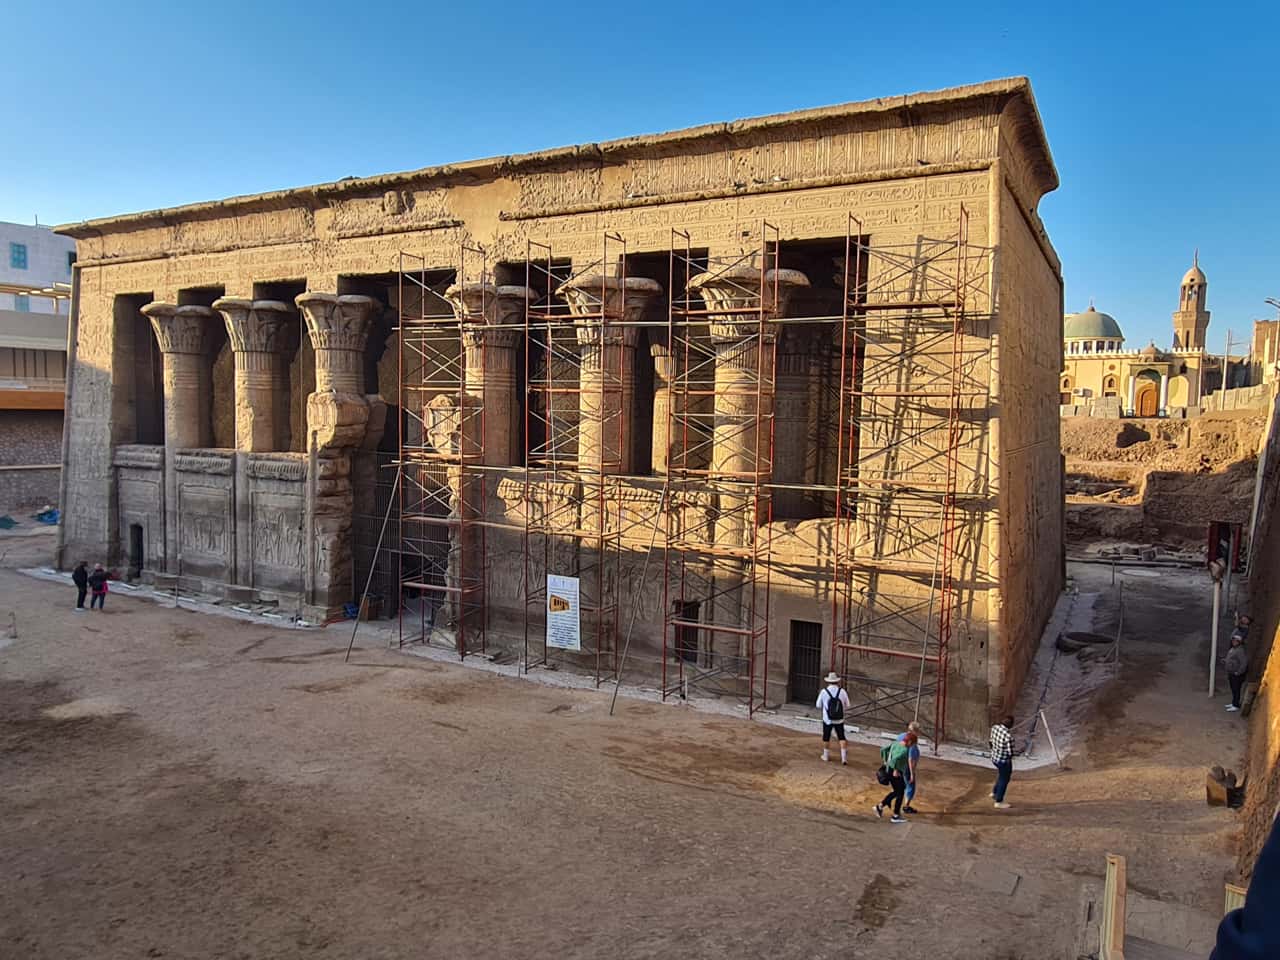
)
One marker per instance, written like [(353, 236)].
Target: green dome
[(1091, 325)]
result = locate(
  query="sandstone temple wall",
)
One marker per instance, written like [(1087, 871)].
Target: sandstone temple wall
[(247, 473)]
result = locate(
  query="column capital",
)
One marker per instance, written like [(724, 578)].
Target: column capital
[(257, 326), (613, 304), (664, 362), (181, 329), (480, 304), (337, 322), (744, 295)]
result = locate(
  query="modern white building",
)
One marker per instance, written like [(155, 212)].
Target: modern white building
[(33, 256)]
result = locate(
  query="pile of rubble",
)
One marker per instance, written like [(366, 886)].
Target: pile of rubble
[(1162, 481)]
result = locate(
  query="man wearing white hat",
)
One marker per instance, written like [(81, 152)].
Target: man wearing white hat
[(833, 701)]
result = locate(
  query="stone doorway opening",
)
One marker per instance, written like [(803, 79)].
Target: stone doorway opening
[(136, 557), (805, 675)]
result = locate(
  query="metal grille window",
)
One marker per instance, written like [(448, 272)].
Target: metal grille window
[(18, 256)]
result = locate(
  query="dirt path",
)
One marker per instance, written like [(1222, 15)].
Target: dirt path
[(206, 788)]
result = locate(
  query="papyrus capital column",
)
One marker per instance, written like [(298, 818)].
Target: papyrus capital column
[(490, 318), (339, 329), (605, 312), (664, 427), (262, 335), (184, 337), (338, 416), (742, 305)]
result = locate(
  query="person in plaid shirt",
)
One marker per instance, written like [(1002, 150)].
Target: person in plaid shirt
[(1002, 759)]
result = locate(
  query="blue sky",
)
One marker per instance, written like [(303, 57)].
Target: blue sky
[(1164, 119)]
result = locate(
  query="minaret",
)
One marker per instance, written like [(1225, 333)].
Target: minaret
[(1191, 319)]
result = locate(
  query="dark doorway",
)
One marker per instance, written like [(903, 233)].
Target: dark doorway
[(136, 558), (687, 636), (806, 657)]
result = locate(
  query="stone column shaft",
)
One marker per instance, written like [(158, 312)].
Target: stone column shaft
[(605, 311), (1164, 392), (338, 419), (488, 315), (183, 336), (261, 337), (1133, 395), (666, 426), (744, 339)]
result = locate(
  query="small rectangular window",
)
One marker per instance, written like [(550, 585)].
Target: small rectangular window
[(22, 303), (18, 256), (71, 259)]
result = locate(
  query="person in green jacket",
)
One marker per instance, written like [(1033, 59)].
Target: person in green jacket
[(896, 757)]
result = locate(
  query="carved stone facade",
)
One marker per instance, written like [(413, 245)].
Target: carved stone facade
[(296, 284)]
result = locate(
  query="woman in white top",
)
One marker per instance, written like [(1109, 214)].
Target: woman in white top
[(833, 702)]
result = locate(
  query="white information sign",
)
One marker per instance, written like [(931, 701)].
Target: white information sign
[(563, 627)]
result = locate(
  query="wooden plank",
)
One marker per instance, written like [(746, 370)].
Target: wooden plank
[(31, 400), (1136, 948), (1113, 907)]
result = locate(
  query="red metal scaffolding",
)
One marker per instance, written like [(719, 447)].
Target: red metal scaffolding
[(574, 360), (907, 385), (716, 575), (443, 485), (896, 474)]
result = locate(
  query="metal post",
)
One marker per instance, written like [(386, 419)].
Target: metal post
[(1049, 733), (1213, 642)]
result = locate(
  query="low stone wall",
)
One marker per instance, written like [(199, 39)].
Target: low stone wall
[(1239, 398), (23, 487), (29, 458)]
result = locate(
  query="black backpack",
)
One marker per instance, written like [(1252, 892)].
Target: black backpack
[(835, 708)]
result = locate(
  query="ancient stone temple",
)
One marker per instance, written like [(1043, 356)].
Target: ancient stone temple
[(777, 396)]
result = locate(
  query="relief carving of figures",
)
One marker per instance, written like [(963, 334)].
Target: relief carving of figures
[(205, 534), (277, 538)]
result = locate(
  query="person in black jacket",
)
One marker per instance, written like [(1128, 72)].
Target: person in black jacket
[(98, 584), (1253, 931), (80, 577)]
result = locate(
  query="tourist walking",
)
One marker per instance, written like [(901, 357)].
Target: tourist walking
[(1002, 759), (896, 757), (80, 577), (833, 701), (1237, 664), (98, 584), (913, 763)]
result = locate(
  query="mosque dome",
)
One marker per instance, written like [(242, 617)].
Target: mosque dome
[(1091, 325), (1149, 352)]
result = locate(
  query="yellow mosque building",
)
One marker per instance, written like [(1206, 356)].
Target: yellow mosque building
[(1101, 376)]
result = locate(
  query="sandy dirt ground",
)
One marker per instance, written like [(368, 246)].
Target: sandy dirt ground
[(186, 786)]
